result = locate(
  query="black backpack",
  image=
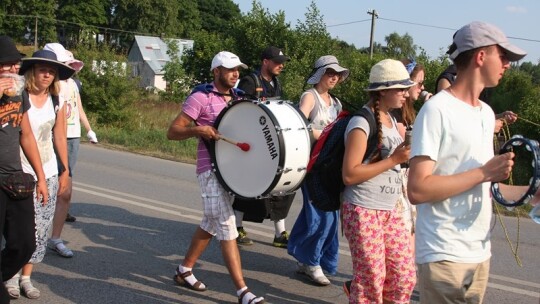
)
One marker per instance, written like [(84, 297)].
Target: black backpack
[(259, 88), (324, 179)]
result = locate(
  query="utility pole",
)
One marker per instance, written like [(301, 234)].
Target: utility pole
[(35, 35), (374, 15)]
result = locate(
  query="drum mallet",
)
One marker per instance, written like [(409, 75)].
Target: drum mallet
[(244, 146)]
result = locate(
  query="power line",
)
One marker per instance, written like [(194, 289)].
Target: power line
[(347, 23), (83, 25), (425, 25)]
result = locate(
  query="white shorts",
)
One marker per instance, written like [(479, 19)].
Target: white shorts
[(218, 215)]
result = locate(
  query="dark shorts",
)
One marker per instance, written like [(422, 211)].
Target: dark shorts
[(275, 208)]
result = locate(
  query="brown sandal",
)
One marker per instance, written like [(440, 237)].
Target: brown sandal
[(179, 278), (250, 301)]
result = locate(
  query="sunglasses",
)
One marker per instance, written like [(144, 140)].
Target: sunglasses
[(332, 73)]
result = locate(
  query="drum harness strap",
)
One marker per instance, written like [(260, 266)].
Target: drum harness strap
[(260, 88), (209, 88)]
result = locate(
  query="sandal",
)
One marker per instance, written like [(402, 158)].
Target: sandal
[(179, 279), (241, 297), (29, 290), (13, 288)]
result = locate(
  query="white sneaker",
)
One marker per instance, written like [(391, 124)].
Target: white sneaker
[(315, 273), (60, 248), (13, 288)]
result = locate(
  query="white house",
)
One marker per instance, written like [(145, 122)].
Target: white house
[(148, 55)]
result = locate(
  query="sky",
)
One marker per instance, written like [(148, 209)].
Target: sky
[(431, 23)]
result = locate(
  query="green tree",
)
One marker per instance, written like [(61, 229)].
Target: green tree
[(216, 15), (179, 85), (89, 12), (189, 19), (197, 61), (107, 92), (154, 17), (257, 30), (400, 46), (13, 26), (45, 10)]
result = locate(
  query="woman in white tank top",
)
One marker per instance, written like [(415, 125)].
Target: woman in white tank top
[(314, 237)]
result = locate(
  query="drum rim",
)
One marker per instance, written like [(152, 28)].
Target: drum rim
[(281, 160)]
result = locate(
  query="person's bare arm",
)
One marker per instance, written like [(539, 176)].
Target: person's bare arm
[(443, 84), (424, 186), (354, 171), (182, 128), (30, 150), (307, 103), (60, 144)]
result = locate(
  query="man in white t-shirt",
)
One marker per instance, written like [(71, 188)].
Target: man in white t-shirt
[(452, 165)]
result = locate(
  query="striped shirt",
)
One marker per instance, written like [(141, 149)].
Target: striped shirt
[(203, 108)]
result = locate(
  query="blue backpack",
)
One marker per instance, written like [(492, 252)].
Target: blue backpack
[(324, 179)]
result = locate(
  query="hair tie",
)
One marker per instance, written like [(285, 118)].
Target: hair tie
[(410, 67)]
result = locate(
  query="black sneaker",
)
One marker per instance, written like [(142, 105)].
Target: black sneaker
[(242, 238), (282, 240), (70, 218)]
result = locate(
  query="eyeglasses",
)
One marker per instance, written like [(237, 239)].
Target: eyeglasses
[(420, 83), (332, 73), (402, 90), (7, 66)]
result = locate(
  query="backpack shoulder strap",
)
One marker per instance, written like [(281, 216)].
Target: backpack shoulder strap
[(56, 103), (55, 100), (258, 85), (372, 138)]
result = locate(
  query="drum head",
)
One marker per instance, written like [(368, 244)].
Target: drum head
[(252, 173)]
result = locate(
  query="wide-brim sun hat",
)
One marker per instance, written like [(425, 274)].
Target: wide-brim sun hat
[(47, 57), (324, 63), (64, 55), (389, 74), (8, 50)]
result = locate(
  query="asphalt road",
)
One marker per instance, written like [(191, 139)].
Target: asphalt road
[(135, 217)]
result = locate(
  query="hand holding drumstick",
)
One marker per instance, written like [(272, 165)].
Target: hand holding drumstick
[(243, 146)]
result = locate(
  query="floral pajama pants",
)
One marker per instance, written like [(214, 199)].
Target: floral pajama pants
[(44, 219), (383, 265)]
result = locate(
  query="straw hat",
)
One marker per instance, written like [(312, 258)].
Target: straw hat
[(47, 57), (324, 63), (389, 74)]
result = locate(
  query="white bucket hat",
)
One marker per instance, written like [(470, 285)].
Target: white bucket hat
[(64, 55), (389, 74), (324, 63), (227, 60)]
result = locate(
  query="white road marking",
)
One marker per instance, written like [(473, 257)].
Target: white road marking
[(168, 209)]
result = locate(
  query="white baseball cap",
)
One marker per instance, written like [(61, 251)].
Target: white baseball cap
[(227, 60), (478, 34)]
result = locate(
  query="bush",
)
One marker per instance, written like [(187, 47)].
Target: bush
[(108, 91)]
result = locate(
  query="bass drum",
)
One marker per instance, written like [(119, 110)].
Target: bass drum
[(279, 147)]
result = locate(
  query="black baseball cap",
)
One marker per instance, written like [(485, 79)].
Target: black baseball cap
[(275, 54)]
